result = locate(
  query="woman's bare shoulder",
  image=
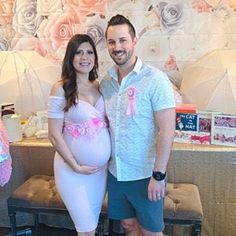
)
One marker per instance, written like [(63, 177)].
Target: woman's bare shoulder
[(96, 83), (57, 89)]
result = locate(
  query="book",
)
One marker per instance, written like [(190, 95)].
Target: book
[(186, 108), (223, 131), (204, 121), (186, 122), (193, 128), (182, 136)]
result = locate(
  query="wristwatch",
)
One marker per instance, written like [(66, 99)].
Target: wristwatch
[(157, 175)]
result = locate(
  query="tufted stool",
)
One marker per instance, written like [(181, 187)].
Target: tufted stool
[(183, 206), (38, 195)]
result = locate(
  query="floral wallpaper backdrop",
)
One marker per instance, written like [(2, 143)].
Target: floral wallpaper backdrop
[(172, 33)]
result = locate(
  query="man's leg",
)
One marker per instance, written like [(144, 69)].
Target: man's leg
[(131, 227), (148, 233), (148, 214)]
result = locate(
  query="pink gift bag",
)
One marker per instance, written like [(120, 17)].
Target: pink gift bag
[(5, 158)]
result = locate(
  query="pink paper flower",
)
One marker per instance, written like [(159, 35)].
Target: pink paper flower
[(56, 31), (171, 63), (201, 6), (88, 128)]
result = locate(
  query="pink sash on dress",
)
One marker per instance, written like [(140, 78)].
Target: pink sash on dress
[(87, 128)]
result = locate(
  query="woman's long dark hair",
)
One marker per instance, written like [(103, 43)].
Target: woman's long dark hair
[(68, 74)]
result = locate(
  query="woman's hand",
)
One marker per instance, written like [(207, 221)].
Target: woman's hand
[(86, 170)]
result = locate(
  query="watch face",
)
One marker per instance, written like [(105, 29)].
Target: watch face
[(157, 175)]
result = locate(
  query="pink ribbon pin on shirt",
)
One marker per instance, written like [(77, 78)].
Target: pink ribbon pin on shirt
[(131, 109)]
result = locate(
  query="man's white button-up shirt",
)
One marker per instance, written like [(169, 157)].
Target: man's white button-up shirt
[(130, 109)]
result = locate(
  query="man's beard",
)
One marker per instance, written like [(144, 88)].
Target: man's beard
[(122, 59)]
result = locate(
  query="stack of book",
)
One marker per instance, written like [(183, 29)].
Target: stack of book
[(192, 127), (204, 127)]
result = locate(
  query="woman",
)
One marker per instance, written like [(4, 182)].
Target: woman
[(78, 131)]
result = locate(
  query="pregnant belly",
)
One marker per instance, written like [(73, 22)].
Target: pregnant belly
[(91, 151)]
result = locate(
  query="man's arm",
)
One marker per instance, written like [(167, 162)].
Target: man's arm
[(165, 122)]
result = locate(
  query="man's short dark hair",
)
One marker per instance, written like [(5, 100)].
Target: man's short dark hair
[(121, 20)]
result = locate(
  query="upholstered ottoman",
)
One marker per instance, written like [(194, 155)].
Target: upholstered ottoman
[(183, 206), (38, 195)]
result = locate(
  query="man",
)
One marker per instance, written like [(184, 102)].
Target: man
[(140, 108)]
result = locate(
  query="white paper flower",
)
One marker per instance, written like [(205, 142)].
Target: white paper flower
[(95, 26), (3, 45), (25, 20), (171, 16), (46, 7)]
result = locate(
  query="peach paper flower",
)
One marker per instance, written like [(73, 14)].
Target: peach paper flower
[(171, 63), (89, 6), (56, 31), (201, 6), (45, 7), (21, 42), (232, 4), (6, 10)]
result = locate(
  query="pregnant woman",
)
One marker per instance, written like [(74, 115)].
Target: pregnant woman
[(78, 131)]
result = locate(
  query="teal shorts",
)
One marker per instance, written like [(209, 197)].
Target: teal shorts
[(129, 199)]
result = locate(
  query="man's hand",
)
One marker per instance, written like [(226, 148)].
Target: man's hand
[(156, 189)]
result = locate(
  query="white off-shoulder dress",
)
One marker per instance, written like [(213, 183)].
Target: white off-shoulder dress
[(86, 134)]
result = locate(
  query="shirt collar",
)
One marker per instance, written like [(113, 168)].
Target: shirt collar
[(113, 70)]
